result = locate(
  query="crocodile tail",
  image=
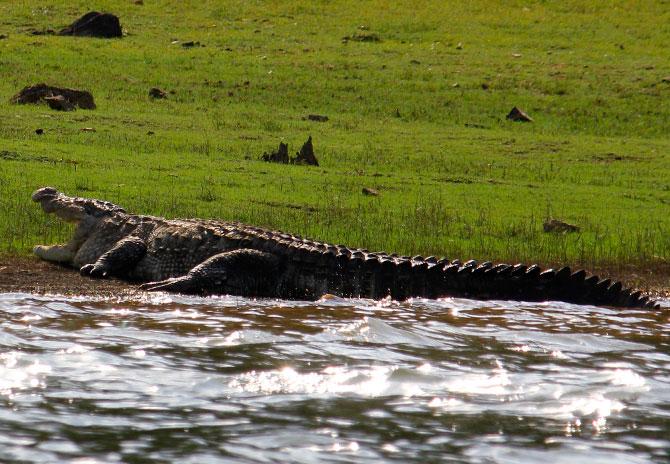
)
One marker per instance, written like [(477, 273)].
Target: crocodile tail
[(531, 283), (355, 272)]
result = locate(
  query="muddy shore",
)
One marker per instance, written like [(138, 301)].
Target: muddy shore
[(31, 275)]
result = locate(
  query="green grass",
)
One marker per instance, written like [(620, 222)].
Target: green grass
[(419, 116)]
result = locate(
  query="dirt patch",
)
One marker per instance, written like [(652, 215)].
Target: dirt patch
[(31, 275)]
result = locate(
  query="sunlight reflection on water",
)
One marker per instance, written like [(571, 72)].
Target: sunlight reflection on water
[(227, 379)]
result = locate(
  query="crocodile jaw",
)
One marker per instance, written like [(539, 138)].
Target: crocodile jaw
[(55, 253), (68, 209), (52, 201)]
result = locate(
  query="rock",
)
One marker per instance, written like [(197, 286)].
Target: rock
[(519, 116), (561, 227), (60, 103), (362, 37), (87, 129), (370, 191), (95, 24), (40, 92), (155, 92), (317, 117), (306, 154), (279, 156)]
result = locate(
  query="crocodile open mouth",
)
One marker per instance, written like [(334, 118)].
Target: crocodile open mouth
[(67, 209), (52, 201)]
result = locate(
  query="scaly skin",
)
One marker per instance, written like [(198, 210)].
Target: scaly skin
[(214, 257)]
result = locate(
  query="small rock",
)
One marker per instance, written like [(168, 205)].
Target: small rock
[(317, 117), (95, 24), (39, 131), (362, 37), (561, 227), (517, 115), (459, 46), (370, 191), (87, 129), (279, 156), (59, 103), (516, 55), (157, 93), (306, 154)]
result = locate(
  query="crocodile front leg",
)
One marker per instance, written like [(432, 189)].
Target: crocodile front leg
[(120, 259), (244, 272)]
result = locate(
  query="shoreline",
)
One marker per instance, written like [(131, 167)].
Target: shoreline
[(32, 275)]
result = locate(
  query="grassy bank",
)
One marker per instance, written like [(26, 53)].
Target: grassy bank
[(416, 111)]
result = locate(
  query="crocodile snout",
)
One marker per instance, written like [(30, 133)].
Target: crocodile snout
[(44, 192)]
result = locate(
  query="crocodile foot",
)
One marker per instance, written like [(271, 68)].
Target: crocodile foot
[(94, 270)]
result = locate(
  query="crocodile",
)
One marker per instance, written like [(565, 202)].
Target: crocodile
[(201, 256)]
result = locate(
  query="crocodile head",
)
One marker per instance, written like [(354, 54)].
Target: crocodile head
[(73, 209), (89, 215)]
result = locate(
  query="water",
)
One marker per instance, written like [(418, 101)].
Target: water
[(199, 380)]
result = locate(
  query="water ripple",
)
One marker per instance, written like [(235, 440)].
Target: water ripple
[(165, 378)]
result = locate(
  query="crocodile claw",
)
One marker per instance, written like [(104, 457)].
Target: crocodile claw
[(176, 284), (93, 270)]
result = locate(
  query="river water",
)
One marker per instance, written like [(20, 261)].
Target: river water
[(164, 378)]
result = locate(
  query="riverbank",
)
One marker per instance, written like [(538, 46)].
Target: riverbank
[(415, 152), (31, 275)]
